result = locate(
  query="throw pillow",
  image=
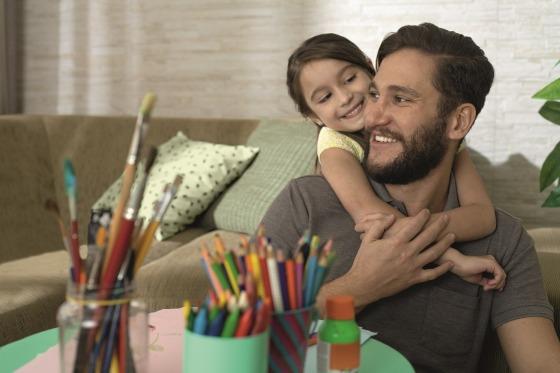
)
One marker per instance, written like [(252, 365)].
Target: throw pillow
[(206, 169), (287, 151)]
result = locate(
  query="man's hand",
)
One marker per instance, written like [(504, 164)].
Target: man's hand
[(384, 267)]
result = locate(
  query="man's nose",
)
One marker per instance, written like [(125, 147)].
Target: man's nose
[(375, 113)]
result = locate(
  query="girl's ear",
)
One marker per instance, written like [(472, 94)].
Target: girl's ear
[(462, 121), (315, 120)]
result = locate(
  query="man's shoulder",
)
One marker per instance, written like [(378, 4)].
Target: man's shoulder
[(509, 231)]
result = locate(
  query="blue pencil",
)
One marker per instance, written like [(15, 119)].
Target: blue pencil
[(201, 321), (216, 326), (309, 279)]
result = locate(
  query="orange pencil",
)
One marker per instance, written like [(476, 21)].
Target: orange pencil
[(264, 274), (291, 279), (245, 323)]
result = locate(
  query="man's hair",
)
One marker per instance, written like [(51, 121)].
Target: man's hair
[(322, 46), (463, 73)]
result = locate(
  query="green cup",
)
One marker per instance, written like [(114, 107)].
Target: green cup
[(202, 353)]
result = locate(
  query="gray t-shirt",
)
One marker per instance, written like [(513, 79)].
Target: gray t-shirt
[(440, 325)]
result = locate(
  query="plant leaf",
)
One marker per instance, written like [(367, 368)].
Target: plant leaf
[(549, 92), (551, 111), (550, 170), (553, 199)]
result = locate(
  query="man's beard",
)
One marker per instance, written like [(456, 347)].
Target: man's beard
[(421, 153)]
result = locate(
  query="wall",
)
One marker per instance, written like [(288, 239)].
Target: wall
[(220, 58)]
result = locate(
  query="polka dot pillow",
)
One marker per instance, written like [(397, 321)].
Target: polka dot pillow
[(206, 169)]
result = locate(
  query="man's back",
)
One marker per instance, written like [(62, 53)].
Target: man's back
[(439, 325)]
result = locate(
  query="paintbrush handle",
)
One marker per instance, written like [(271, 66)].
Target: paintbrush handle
[(75, 253), (145, 243), (118, 254), (127, 181)]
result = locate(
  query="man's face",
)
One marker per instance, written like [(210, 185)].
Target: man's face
[(407, 137)]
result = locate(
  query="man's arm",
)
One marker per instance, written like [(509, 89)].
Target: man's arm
[(384, 267), (530, 345)]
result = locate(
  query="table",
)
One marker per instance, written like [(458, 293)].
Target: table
[(375, 355)]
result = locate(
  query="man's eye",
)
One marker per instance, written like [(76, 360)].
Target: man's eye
[(373, 93), (324, 98), (401, 99)]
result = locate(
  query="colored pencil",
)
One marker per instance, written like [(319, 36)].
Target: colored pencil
[(291, 283)]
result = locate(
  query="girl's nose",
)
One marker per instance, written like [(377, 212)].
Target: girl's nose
[(345, 96)]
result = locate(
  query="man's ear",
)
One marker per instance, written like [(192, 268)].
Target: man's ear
[(462, 120)]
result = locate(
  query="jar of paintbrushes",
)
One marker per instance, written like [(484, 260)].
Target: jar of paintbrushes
[(103, 325), (103, 330)]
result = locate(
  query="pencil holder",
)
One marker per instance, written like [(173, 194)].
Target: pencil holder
[(289, 332), (104, 328), (202, 353)]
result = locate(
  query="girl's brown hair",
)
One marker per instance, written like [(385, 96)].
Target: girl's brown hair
[(330, 46)]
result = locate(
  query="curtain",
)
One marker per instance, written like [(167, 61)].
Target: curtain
[(9, 69)]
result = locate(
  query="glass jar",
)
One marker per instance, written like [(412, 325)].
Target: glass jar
[(103, 329)]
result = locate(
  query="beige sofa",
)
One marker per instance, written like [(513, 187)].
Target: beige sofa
[(33, 266)]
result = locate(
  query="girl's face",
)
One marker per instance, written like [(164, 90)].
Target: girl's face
[(336, 92)]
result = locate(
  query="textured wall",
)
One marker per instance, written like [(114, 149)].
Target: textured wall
[(219, 58)]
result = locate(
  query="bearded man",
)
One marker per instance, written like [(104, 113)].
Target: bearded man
[(430, 85)]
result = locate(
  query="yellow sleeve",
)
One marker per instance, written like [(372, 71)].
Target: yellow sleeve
[(329, 138)]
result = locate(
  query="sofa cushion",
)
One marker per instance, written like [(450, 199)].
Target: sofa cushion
[(31, 290), (287, 150), (167, 281), (207, 168)]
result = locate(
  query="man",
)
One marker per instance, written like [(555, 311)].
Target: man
[(430, 85)]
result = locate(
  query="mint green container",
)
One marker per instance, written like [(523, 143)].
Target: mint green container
[(202, 353)]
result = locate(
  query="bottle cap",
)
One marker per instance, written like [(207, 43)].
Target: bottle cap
[(340, 307)]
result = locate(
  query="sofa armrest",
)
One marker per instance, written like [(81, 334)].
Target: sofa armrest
[(547, 245)]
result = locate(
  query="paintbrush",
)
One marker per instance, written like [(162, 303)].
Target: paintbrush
[(70, 186), (130, 170), (159, 211), (52, 206)]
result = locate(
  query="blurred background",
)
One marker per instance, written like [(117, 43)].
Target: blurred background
[(219, 58)]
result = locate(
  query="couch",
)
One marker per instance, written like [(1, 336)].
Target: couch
[(34, 266)]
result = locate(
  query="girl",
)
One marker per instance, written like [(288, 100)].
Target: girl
[(329, 79)]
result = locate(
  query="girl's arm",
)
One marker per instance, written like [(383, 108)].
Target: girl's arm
[(348, 180), (476, 217)]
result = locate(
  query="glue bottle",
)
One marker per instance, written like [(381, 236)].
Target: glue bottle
[(338, 348)]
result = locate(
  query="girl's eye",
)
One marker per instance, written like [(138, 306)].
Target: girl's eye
[(350, 79), (324, 98), (373, 93)]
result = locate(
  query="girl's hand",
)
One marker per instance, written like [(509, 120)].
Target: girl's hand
[(482, 270), (369, 220)]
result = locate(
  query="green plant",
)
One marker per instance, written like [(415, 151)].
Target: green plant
[(550, 170)]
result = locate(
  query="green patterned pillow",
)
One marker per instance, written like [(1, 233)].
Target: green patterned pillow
[(287, 151), (206, 169)]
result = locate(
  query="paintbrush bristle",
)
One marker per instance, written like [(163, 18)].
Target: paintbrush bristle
[(178, 180), (148, 103), (150, 159), (69, 176)]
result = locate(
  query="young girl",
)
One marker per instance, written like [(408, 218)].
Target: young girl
[(329, 79)]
